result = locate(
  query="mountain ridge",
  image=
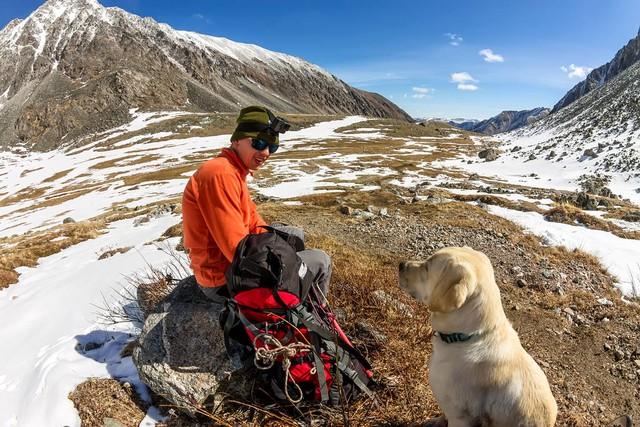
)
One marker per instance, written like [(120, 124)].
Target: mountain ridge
[(623, 59), (505, 121), (74, 67)]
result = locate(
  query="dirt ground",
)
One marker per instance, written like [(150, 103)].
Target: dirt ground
[(589, 349)]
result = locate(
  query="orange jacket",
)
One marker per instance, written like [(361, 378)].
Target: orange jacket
[(217, 212)]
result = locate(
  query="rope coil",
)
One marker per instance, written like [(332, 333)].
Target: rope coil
[(266, 356)]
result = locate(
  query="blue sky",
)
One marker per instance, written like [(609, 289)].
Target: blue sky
[(423, 55)]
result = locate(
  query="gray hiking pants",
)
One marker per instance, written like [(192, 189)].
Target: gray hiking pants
[(317, 261)]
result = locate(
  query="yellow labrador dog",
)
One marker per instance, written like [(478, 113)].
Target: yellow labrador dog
[(479, 372)]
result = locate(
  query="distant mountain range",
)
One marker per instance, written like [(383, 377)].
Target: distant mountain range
[(504, 122), (74, 67)]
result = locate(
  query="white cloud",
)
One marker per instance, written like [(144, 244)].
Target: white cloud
[(454, 39), (489, 56), (575, 71), (464, 80), (201, 17), (423, 90), (467, 86), (462, 77)]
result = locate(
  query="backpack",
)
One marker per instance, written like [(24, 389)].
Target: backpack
[(276, 320)]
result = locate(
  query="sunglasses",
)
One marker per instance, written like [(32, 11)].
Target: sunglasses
[(261, 144)]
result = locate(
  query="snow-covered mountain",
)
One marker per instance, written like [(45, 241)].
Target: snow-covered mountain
[(504, 122), (598, 133), (74, 66), (624, 58)]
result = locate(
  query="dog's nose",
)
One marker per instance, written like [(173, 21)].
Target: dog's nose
[(402, 266)]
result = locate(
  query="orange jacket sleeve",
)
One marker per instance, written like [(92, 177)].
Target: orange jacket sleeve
[(219, 198)]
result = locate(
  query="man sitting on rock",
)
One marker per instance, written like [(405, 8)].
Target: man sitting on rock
[(217, 210)]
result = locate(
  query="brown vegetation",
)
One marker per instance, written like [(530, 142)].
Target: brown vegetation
[(99, 401)]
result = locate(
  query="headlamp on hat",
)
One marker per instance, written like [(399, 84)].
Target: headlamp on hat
[(275, 126)]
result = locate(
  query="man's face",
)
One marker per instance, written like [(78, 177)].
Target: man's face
[(251, 157)]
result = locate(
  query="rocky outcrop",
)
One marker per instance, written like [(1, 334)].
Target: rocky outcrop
[(504, 122), (624, 58), (181, 354), (74, 67)]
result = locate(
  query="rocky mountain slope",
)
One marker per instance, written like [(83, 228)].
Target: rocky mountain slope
[(624, 58), (598, 133), (74, 67), (504, 122)]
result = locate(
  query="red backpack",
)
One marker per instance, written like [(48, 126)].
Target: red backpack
[(276, 316)]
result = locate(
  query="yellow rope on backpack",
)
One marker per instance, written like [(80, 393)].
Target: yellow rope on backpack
[(266, 356)]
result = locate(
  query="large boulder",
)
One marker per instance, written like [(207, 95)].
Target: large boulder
[(181, 354)]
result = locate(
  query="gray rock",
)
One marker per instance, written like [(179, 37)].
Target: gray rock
[(489, 154), (521, 283), (590, 153), (181, 354), (547, 274), (532, 156), (68, 220)]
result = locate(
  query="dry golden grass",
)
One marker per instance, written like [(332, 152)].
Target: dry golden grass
[(25, 194), (57, 175), (28, 171), (100, 399), (496, 200), (160, 175), (569, 214)]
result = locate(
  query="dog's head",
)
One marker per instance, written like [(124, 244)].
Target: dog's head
[(444, 281)]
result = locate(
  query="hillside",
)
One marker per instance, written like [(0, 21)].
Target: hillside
[(371, 192), (74, 67), (623, 59)]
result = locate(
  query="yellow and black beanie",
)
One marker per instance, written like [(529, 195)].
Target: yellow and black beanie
[(253, 122)]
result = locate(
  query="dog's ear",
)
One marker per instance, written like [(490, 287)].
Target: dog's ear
[(456, 282)]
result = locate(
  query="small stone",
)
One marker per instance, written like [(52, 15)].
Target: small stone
[(569, 311), (618, 355), (547, 274), (521, 283), (516, 269), (346, 210), (515, 307), (68, 220), (607, 347), (604, 301)]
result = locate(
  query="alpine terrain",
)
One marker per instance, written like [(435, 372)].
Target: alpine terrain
[(104, 117)]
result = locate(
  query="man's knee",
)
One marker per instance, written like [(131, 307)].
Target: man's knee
[(289, 229), (319, 263)]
